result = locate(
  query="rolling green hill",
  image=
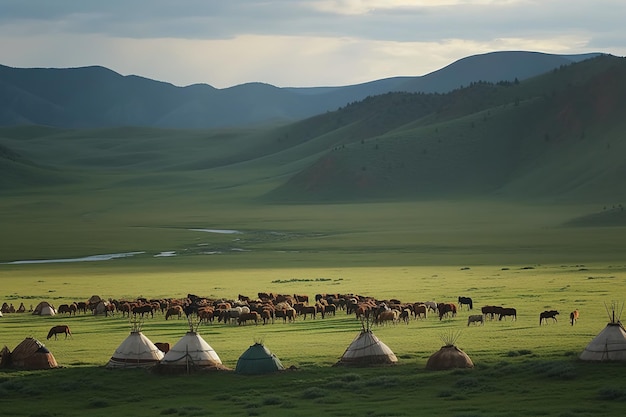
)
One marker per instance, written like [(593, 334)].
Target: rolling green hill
[(556, 137)]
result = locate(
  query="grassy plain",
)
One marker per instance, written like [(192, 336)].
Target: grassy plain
[(495, 252)]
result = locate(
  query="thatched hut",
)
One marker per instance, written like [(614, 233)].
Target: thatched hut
[(449, 356), (30, 354)]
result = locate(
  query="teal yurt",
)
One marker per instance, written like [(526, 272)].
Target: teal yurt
[(258, 360)]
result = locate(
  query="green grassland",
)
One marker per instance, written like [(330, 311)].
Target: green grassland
[(488, 192), (497, 253)]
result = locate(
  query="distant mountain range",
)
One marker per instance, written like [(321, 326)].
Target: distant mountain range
[(91, 97), (558, 136)]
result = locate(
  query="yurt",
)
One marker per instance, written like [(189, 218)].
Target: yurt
[(610, 343), (93, 300), (136, 351), (449, 356), (366, 349), (258, 359), (191, 353), (44, 308), (32, 354), (101, 307), (5, 357)]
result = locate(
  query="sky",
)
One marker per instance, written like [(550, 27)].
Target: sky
[(296, 43)]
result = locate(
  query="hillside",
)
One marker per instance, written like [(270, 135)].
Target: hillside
[(555, 137), (94, 97)]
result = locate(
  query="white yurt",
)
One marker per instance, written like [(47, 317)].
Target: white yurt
[(44, 308), (610, 343), (366, 349), (136, 351), (191, 353)]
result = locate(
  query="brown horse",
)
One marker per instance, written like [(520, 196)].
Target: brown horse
[(310, 310), (445, 308), (174, 311), (143, 309), (573, 317), (251, 316), (420, 310), (59, 329)]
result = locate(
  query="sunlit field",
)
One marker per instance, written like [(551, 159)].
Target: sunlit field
[(506, 255), (530, 289)]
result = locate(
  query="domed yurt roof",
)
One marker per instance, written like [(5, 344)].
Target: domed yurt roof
[(449, 356), (610, 343), (258, 359), (32, 354), (366, 349), (136, 351), (190, 353), (44, 308), (5, 357), (94, 299)]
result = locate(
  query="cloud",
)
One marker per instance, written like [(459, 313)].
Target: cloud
[(296, 42)]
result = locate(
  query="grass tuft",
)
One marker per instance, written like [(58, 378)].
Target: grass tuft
[(611, 394), (351, 377), (467, 382), (313, 393), (272, 400), (98, 403), (554, 369)]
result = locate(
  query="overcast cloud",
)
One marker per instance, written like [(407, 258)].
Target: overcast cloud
[(296, 42)]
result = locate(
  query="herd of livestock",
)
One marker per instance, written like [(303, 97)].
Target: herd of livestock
[(267, 307)]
